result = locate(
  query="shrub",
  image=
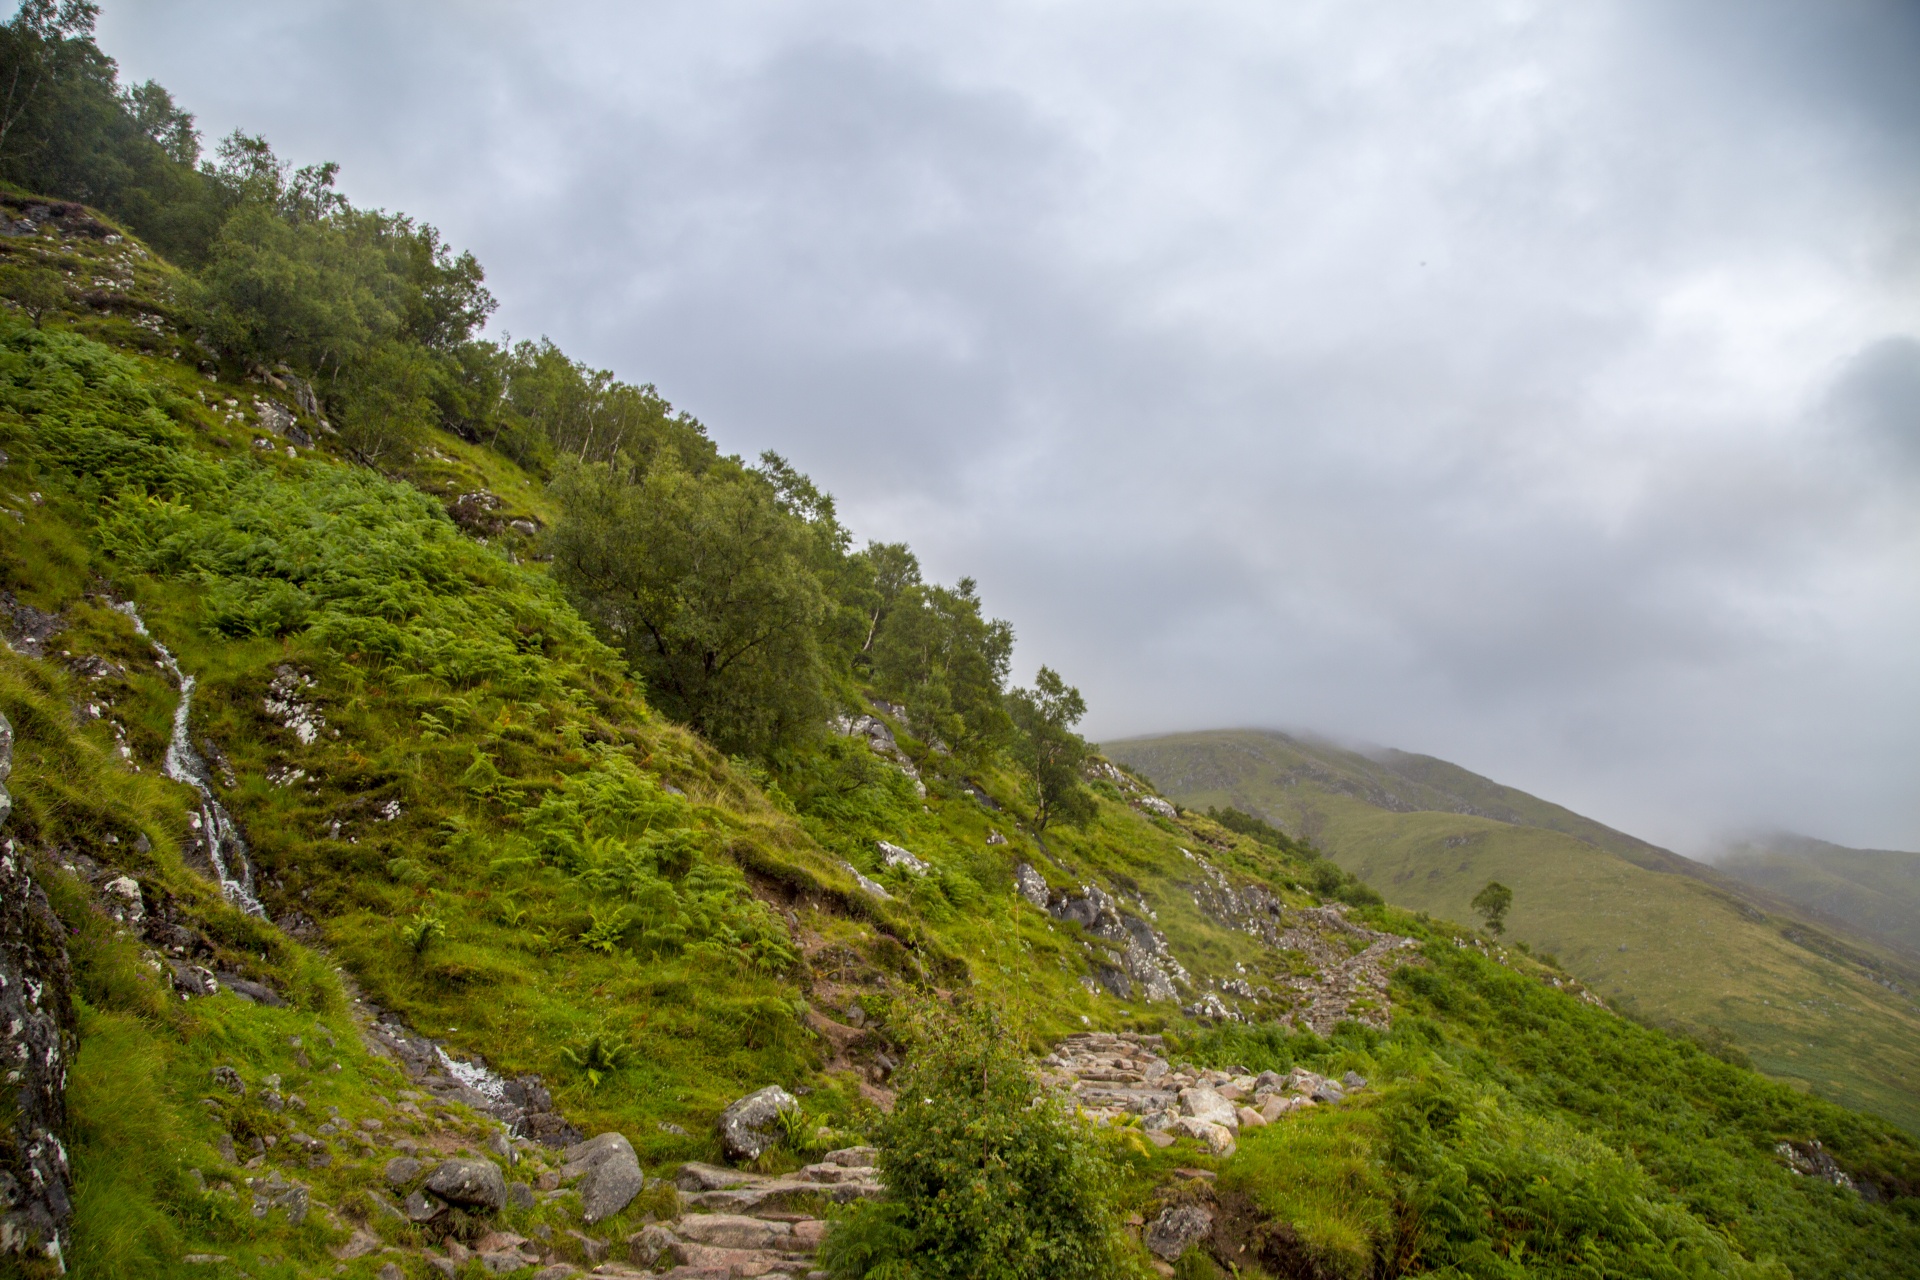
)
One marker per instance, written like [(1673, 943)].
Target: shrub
[(988, 1176)]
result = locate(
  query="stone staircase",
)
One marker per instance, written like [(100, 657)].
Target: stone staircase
[(735, 1224)]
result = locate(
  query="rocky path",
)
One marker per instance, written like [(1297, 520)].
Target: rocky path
[(1116, 1075)]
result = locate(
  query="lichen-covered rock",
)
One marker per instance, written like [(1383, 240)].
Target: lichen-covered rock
[(750, 1127), (36, 1043), (609, 1174), (476, 1184), (895, 856), (1031, 884)]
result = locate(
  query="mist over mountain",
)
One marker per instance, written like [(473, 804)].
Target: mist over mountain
[(1876, 891), (1528, 385)]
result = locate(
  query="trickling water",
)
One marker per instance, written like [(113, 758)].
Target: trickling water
[(474, 1076), (226, 849)]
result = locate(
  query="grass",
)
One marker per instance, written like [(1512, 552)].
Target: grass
[(496, 838), (1668, 948), (1322, 1174)]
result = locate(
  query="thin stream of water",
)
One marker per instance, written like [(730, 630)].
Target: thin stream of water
[(226, 848)]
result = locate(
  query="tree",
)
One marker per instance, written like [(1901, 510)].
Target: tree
[(35, 290), (1492, 903), (989, 1175), (704, 581), (1049, 751), (944, 660)]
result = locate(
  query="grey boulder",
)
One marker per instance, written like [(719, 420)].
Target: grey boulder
[(609, 1174), (751, 1127), (1177, 1229), (476, 1184)]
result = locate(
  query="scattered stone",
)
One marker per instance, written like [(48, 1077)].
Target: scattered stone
[(1207, 1105), (594, 1251), (229, 1079), (609, 1174), (1177, 1228), (519, 1196), (361, 1243), (421, 1207), (894, 856), (649, 1244), (474, 1183), (751, 1127), (250, 991), (1031, 884), (274, 1192), (867, 883), (403, 1169)]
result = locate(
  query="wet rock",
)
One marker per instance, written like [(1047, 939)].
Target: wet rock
[(609, 1175), (1176, 1229), (750, 1127), (472, 1183), (37, 1039)]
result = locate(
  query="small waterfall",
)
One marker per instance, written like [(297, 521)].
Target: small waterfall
[(226, 849)]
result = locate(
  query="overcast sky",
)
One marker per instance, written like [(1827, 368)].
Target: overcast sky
[(1536, 385)]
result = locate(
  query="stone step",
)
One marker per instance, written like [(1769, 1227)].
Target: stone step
[(777, 1194), (742, 1263), (736, 1231)]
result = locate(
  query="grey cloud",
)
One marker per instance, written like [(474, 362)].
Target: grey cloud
[(1459, 378)]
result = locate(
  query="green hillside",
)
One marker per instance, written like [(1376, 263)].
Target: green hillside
[(421, 755), (1663, 938), (1875, 892)]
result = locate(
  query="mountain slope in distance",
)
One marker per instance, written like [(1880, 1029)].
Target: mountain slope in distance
[(1874, 891), (1662, 937)]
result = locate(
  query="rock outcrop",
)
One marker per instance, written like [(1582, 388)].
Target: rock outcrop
[(36, 1043), (1139, 953)]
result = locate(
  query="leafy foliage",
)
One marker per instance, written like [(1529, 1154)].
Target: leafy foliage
[(704, 583), (989, 1177), (1492, 904), (1049, 751)]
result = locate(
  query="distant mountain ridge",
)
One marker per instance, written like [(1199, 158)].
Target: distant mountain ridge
[(1873, 891), (1783, 965)]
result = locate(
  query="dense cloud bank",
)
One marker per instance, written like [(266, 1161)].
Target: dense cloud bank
[(1533, 385)]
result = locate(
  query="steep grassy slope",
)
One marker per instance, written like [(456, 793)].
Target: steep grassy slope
[(1876, 892), (1675, 946), (461, 809)]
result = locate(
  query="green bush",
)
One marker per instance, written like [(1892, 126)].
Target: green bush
[(988, 1176)]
